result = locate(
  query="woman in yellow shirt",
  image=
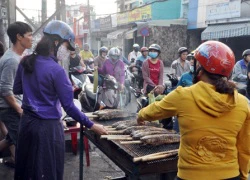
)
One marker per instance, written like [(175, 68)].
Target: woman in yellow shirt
[(213, 118)]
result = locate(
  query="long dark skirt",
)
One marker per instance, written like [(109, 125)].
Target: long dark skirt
[(40, 149)]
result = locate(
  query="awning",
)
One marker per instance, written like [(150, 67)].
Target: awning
[(226, 31), (116, 34), (130, 34)]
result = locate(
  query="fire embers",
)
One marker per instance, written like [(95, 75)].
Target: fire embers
[(212, 148)]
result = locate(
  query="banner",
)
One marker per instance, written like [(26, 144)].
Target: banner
[(143, 13), (122, 18)]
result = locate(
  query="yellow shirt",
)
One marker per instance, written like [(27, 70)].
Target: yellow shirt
[(214, 129), (86, 55)]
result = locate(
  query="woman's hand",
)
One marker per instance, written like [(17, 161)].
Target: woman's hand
[(140, 121), (99, 129), (159, 89)]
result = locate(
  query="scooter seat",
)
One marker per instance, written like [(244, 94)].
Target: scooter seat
[(89, 91)]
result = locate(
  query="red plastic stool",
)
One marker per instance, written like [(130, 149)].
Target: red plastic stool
[(73, 132)]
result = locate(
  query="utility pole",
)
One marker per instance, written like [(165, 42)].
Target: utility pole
[(60, 4), (2, 20), (89, 23), (44, 10), (11, 11)]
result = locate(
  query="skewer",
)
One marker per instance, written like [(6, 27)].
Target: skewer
[(116, 137), (136, 159), (159, 156), (116, 132), (130, 142)]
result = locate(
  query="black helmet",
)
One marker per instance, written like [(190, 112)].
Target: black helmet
[(182, 50), (103, 49), (155, 47), (246, 52)]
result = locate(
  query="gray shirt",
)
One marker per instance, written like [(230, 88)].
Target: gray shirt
[(177, 69), (8, 67)]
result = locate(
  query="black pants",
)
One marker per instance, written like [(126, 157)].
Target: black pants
[(234, 178)]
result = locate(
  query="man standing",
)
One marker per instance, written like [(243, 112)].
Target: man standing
[(20, 34), (181, 65)]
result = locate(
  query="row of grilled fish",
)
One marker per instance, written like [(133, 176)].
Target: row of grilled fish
[(108, 114)]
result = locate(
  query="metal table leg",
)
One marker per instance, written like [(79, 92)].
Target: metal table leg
[(81, 154)]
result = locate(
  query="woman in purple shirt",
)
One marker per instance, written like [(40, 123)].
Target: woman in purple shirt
[(114, 66), (45, 88)]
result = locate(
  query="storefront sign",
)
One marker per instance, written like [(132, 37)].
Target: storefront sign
[(224, 10), (106, 23), (122, 18), (139, 14)]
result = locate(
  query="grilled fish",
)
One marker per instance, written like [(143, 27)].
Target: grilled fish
[(141, 133), (157, 139)]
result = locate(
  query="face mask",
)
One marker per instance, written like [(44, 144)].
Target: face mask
[(192, 69), (153, 54), (63, 53), (73, 56), (114, 57), (136, 49)]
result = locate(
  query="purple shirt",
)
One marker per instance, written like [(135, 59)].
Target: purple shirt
[(44, 89), (114, 69)]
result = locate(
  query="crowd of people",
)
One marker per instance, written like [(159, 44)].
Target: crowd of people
[(213, 117)]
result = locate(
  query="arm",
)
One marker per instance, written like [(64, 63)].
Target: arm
[(65, 94), (161, 73), (237, 73), (160, 109), (18, 86), (243, 144), (145, 74), (125, 60), (122, 73), (7, 80), (173, 67)]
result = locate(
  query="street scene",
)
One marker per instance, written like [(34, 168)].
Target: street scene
[(124, 89)]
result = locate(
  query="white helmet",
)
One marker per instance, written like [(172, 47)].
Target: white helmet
[(114, 53), (136, 46)]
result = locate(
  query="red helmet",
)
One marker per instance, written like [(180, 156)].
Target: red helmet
[(144, 49), (215, 57)]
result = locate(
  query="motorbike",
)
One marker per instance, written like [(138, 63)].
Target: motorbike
[(170, 85), (77, 77), (107, 95), (135, 78)]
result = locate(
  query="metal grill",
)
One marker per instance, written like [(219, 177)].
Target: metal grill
[(137, 150)]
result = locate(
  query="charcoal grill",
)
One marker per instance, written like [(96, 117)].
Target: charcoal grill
[(122, 155)]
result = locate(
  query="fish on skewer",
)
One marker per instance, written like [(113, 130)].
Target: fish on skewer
[(141, 133), (157, 139)]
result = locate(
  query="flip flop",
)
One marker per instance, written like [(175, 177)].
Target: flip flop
[(10, 164)]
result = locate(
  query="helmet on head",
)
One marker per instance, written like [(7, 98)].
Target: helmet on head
[(136, 47), (144, 49), (190, 56), (155, 47), (61, 29), (103, 49), (246, 52), (114, 53), (182, 50), (215, 57)]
